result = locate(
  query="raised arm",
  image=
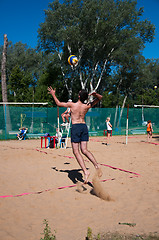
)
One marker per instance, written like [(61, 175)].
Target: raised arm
[(58, 103), (98, 98)]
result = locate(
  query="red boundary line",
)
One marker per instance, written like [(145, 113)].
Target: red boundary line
[(151, 143), (70, 186)]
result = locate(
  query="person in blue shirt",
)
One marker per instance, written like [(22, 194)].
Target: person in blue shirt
[(21, 135)]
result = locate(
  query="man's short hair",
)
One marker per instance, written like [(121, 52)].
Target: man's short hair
[(83, 95)]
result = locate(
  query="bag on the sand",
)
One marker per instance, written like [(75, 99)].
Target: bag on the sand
[(51, 143)]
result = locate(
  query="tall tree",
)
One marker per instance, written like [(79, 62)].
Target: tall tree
[(29, 61), (102, 33)]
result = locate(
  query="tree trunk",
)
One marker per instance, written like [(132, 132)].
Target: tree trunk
[(115, 118), (4, 85), (121, 113), (3, 70)]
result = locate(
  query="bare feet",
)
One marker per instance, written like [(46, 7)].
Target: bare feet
[(86, 176), (99, 171)]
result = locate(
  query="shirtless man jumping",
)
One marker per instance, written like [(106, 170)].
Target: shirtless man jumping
[(79, 130)]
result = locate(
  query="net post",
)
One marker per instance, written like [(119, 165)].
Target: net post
[(127, 124), (5, 111), (58, 124)]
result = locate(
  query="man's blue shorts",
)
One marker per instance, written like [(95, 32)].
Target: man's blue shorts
[(79, 133)]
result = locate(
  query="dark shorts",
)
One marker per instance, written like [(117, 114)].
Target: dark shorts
[(79, 133), (109, 131), (149, 132)]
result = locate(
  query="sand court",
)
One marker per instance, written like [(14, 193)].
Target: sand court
[(38, 184)]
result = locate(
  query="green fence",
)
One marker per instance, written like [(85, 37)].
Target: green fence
[(41, 120)]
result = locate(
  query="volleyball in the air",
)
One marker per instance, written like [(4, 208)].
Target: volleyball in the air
[(73, 60)]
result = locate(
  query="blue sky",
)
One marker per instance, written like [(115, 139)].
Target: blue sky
[(20, 20)]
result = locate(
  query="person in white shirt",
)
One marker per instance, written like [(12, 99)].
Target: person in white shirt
[(58, 135), (109, 128)]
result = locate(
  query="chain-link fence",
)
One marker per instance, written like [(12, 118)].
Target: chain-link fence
[(41, 120)]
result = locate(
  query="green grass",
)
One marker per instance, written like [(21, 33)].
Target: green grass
[(105, 236), (47, 232), (117, 236)]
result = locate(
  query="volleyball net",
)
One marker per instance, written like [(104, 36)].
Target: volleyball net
[(41, 119)]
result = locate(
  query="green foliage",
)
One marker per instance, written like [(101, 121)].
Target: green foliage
[(19, 85), (50, 77), (0, 89), (149, 97), (108, 99), (96, 31), (26, 58), (89, 234), (47, 232), (118, 236), (23, 70)]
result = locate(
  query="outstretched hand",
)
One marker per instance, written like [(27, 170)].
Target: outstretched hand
[(96, 95), (93, 94), (51, 90)]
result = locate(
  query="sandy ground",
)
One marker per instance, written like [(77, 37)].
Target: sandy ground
[(71, 210)]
